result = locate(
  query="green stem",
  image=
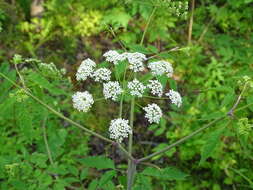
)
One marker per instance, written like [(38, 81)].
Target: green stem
[(242, 175), (122, 95), (46, 142), (115, 36), (131, 175), (181, 140), (191, 22), (121, 105), (230, 113), (20, 76), (147, 25), (153, 97), (243, 107), (130, 144), (125, 152), (62, 116)]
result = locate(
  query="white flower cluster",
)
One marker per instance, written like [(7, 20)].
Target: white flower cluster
[(153, 113), (135, 59), (136, 88), (156, 87), (113, 57), (82, 101), (85, 70), (119, 129), (102, 74), (112, 90), (160, 68), (175, 97), (50, 70)]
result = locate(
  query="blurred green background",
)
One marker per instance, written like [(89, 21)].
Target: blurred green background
[(213, 50)]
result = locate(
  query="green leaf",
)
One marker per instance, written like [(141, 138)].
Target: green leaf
[(161, 146), (44, 83), (168, 173), (173, 84), (163, 80), (93, 185), (228, 99), (143, 182), (39, 159), (211, 143), (119, 70), (84, 173), (106, 177), (99, 162), (138, 48), (213, 115), (162, 127), (250, 101), (117, 18), (25, 120), (146, 77)]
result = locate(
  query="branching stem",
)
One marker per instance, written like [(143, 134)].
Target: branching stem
[(63, 117), (180, 141)]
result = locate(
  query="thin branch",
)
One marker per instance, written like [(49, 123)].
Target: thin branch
[(242, 175), (125, 151), (154, 97), (147, 25), (191, 22), (62, 116), (208, 24), (157, 55), (115, 36), (46, 142), (230, 112), (20, 76), (181, 140)]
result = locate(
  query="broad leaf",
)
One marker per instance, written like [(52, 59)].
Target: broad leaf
[(99, 162), (211, 143), (168, 173)]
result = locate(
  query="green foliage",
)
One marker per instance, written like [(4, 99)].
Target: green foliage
[(211, 143), (165, 173), (210, 72), (98, 162)]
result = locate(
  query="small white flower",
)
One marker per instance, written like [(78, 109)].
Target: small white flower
[(175, 97), (136, 61), (160, 68), (113, 57), (156, 87), (153, 113), (136, 88), (112, 90), (102, 74), (85, 70), (82, 101), (119, 129)]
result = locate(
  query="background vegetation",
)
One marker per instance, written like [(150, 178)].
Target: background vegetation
[(210, 45)]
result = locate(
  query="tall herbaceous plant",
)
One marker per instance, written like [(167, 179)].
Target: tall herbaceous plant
[(128, 80)]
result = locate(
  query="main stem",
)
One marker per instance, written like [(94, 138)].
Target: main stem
[(131, 165)]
